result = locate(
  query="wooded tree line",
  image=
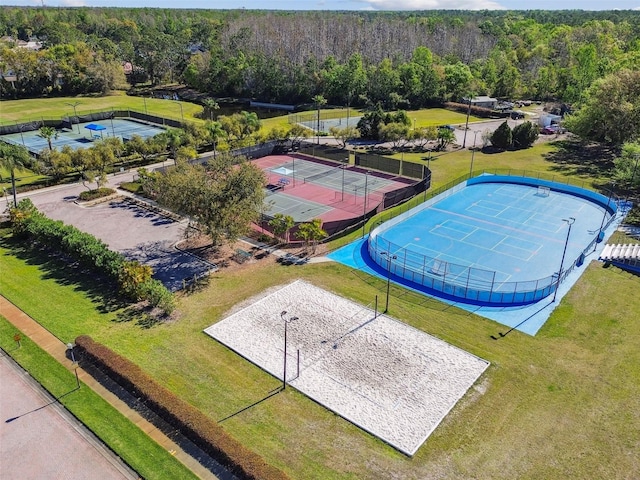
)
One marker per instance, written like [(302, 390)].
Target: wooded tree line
[(398, 59)]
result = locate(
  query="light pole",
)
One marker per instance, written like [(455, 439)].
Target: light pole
[(569, 221), (181, 112), (286, 322), (74, 105), (466, 125), (473, 151), (344, 167), (389, 258), (70, 348), (293, 168), (635, 167), (145, 104), (364, 212)]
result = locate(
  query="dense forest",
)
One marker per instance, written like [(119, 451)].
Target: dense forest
[(396, 59)]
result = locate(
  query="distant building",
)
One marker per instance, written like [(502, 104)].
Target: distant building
[(482, 101), (272, 106), (32, 44)]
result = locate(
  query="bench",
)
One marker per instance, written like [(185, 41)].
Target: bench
[(242, 256)]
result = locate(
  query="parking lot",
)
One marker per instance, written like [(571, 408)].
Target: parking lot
[(138, 233)]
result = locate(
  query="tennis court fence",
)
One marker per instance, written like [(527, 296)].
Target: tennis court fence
[(67, 121), (461, 281)]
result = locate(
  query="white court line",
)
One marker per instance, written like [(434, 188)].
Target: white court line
[(483, 210), (515, 247), (522, 193)]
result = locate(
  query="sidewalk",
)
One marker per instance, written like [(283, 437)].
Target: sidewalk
[(58, 350)]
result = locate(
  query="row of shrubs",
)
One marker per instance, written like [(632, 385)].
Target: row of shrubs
[(101, 192), (481, 112), (188, 420), (133, 279)]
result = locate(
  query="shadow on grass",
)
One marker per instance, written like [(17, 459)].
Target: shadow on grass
[(576, 158), (101, 292), (144, 317), (248, 407), (146, 412)]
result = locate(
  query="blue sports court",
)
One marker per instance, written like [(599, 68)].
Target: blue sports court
[(82, 135), (493, 242)]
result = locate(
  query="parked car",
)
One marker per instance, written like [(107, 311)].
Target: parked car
[(447, 127), (552, 129)]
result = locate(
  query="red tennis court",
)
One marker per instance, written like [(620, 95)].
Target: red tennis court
[(339, 194)]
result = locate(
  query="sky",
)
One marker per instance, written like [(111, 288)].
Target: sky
[(348, 4)]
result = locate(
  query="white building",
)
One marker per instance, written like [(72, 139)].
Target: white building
[(482, 101)]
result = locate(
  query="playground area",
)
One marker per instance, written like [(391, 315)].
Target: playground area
[(82, 135), (384, 376)]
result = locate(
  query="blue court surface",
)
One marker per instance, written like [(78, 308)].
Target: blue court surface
[(491, 247), (82, 137)]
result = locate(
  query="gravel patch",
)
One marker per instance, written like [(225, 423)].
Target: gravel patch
[(388, 378)]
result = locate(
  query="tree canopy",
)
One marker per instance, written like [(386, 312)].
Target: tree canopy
[(611, 110), (222, 198), (400, 59)]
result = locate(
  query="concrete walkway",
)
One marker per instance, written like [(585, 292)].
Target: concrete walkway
[(58, 350), (34, 419)]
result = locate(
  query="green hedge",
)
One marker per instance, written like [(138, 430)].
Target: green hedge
[(97, 193), (87, 250), (130, 443), (188, 420)]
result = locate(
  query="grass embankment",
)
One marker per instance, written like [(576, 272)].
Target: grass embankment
[(130, 443), (35, 109), (565, 403)]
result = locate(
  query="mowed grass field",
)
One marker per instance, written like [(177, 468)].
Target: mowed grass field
[(562, 404), (17, 111), (34, 109)]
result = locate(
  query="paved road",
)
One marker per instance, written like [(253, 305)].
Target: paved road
[(43, 440)]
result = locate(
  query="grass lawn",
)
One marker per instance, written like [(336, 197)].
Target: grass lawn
[(563, 404), (14, 110), (23, 177), (129, 442), (423, 118), (36, 108)]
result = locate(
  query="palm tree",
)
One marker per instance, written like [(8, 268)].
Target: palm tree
[(211, 105), (215, 131), (250, 123), (12, 158), (319, 100), (48, 133), (175, 139)]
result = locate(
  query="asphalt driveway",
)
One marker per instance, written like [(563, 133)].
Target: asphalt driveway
[(138, 233)]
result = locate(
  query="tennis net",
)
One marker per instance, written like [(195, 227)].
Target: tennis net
[(317, 176)]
